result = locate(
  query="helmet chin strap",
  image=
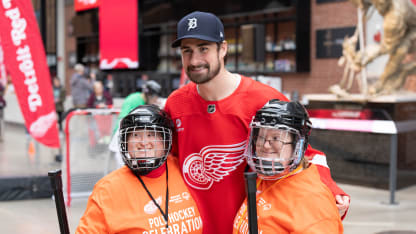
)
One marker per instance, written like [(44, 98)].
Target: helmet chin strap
[(298, 169)]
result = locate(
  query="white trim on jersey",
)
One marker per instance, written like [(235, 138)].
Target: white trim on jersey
[(319, 159)]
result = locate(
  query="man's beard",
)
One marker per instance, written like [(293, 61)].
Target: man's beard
[(203, 78)]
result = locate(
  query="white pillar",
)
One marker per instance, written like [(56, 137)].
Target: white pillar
[(60, 36)]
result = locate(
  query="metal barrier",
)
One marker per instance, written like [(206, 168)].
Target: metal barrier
[(389, 127), (87, 159)]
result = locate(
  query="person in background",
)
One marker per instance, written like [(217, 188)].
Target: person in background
[(2, 106), (141, 81), (290, 197), (109, 84), (59, 95), (150, 95), (81, 87), (148, 194), (100, 130), (100, 98), (221, 105), (2, 92)]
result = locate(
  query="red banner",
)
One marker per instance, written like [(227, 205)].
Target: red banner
[(118, 32), (26, 63), (82, 5)]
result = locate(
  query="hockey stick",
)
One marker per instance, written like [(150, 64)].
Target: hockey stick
[(56, 183), (250, 178)]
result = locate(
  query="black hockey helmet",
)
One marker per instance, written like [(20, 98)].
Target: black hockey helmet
[(279, 125), (292, 114), (152, 127)]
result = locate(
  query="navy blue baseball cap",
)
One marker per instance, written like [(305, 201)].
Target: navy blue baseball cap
[(200, 25)]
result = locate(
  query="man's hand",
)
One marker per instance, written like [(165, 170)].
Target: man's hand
[(343, 203)]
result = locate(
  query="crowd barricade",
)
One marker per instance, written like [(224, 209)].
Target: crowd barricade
[(370, 121), (87, 159)]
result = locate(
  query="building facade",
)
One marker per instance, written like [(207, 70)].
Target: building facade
[(302, 41)]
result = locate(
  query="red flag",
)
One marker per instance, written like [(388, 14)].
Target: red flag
[(118, 34), (82, 5), (26, 63)]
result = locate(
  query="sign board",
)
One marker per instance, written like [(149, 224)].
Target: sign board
[(329, 41)]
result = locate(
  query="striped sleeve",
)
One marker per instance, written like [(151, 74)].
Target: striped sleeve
[(319, 159)]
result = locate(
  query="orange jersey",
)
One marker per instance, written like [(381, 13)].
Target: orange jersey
[(297, 204), (120, 204), (209, 140)]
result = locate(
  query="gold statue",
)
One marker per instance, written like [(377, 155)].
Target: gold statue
[(398, 41), (350, 68), (349, 54)]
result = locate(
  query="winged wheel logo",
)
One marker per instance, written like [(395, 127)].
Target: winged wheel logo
[(212, 164)]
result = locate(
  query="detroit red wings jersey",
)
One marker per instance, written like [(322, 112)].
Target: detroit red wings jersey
[(211, 137)]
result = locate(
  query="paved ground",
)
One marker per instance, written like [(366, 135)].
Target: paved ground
[(369, 212)]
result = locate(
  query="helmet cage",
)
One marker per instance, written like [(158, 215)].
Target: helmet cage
[(274, 166), (145, 160)]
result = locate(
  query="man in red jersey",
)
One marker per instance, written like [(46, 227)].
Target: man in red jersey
[(212, 116)]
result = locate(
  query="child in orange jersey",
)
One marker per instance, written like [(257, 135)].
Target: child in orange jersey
[(148, 194), (290, 196)]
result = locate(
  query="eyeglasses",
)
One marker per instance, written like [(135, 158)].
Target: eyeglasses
[(275, 141)]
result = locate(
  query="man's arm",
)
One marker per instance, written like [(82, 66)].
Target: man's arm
[(319, 159)]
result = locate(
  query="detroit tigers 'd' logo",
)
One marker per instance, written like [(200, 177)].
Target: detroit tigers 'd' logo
[(212, 164)]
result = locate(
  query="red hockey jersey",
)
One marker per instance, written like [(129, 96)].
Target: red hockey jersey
[(210, 138)]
